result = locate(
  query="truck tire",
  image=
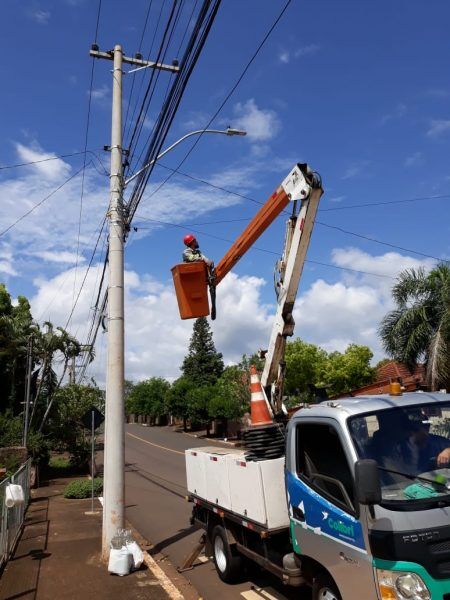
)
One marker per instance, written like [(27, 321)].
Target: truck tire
[(324, 588), (228, 562)]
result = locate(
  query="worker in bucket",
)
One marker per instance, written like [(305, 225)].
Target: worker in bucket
[(192, 253)]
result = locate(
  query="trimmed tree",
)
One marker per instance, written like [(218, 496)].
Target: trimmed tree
[(203, 365)]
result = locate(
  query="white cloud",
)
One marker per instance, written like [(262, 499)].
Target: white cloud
[(284, 57), (307, 50), (40, 16), (356, 169), (330, 314), (336, 198), (438, 127), (261, 124), (60, 257), (100, 93), (195, 119), (399, 111), (152, 347), (414, 160), (349, 311), (50, 169)]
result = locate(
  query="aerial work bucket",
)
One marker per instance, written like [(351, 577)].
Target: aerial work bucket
[(191, 288)]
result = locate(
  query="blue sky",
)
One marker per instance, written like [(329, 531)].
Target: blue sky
[(360, 91)]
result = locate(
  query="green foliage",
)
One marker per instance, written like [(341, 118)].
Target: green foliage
[(65, 430), (177, 397), (230, 395), (197, 404), (39, 448), (11, 429), (148, 397), (305, 364), (419, 327), (339, 372), (59, 464), (203, 365), (82, 488), (350, 370)]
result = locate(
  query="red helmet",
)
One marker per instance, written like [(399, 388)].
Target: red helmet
[(188, 239)]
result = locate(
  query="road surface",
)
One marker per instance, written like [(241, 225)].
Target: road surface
[(156, 507)]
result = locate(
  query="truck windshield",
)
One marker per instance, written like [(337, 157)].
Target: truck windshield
[(412, 448)]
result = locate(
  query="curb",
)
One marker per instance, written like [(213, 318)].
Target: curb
[(173, 592), (165, 579)]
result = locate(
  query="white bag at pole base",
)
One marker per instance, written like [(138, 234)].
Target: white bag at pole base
[(14, 495), (120, 561), (136, 553)]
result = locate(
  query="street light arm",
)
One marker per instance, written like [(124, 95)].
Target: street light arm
[(228, 131)]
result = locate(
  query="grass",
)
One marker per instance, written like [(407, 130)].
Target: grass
[(82, 488)]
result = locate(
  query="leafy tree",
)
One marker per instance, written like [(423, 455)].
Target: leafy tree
[(64, 428), (418, 329), (177, 399), (149, 397), (305, 364), (203, 365), (198, 399), (339, 372), (350, 370), (382, 363), (230, 396)]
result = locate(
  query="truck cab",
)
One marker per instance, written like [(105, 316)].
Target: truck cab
[(368, 492)]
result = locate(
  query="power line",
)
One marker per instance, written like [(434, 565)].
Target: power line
[(33, 208), (86, 136), (228, 96), (371, 239), (265, 249), (86, 274), (193, 50), (41, 160), (348, 207)]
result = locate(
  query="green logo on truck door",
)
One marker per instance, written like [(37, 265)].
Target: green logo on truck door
[(341, 527)]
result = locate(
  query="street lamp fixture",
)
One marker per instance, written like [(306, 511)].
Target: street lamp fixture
[(229, 131)]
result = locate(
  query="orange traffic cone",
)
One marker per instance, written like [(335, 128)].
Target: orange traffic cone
[(258, 407)]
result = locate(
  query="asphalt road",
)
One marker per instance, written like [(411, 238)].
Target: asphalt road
[(156, 506)]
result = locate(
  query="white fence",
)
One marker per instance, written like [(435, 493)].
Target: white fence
[(11, 519)]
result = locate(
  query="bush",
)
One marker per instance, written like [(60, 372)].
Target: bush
[(82, 488)]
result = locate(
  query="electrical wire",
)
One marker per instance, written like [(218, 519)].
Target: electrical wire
[(348, 207), (33, 208), (134, 74), (86, 274), (194, 47), (228, 96), (371, 239), (167, 223), (86, 137)]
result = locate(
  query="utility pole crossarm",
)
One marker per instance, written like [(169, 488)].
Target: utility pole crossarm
[(135, 61)]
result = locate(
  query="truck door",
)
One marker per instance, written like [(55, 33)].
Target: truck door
[(324, 526)]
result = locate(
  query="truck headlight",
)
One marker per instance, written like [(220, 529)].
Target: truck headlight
[(401, 585)]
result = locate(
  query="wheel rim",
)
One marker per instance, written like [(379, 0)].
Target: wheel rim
[(219, 554), (326, 594)]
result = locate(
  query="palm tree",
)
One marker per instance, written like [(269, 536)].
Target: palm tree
[(418, 329)]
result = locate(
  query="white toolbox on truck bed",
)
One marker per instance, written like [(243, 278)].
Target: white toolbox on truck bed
[(253, 490)]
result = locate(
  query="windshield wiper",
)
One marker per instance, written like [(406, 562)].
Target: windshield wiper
[(411, 476)]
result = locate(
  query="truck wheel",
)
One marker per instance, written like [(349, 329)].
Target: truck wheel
[(227, 561), (324, 588)]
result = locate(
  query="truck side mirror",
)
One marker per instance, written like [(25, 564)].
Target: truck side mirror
[(367, 482)]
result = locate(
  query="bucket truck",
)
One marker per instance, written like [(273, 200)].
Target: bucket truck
[(358, 507)]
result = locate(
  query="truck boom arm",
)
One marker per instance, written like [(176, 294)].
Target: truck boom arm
[(294, 187), (298, 234)]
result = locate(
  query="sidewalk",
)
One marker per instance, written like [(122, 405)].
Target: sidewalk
[(58, 556)]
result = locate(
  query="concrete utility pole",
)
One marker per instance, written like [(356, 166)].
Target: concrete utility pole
[(114, 457), (114, 454)]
